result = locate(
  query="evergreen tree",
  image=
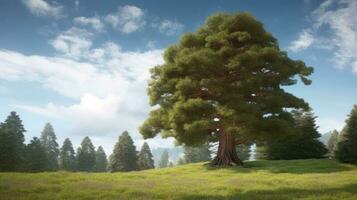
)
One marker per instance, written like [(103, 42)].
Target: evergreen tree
[(224, 82), (145, 158), (197, 154), (124, 156), (332, 142), (260, 151), (67, 159), (12, 143), (100, 160), (181, 161), (243, 151), (48, 141), (86, 156), (36, 158), (347, 147), (303, 143), (164, 161), (171, 164)]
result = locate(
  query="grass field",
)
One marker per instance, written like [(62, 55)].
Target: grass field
[(275, 180)]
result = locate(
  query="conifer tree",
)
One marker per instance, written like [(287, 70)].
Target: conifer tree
[(67, 159), (224, 82), (164, 161), (197, 154), (12, 143), (124, 156), (171, 164), (181, 161), (145, 158), (100, 160), (48, 141), (35, 156), (302, 143), (332, 142), (347, 147), (243, 151), (86, 156)]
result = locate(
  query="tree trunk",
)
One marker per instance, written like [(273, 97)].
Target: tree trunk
[(226, 154)]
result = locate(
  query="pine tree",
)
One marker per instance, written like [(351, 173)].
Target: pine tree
[(302, 143), (35, 156), (347, 147), (145, 158), (197, 154), (181, 161), (224, 82), (124, 156), (67, 159), (100, 160), (86, 156), (12, 143), (332, 143), (164, 161), (48, 141), (243, 151)]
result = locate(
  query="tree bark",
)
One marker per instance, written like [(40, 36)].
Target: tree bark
[(226, 154)]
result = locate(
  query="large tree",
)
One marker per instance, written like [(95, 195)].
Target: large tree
[(86, 156), (124, 156), (48, 141), (224, 82), (164, 161), (347, 147), (301, 143), (35, 156), (332, 142), (197, 154), (101, 161), (145, 158), (67, 159), (12, 143)]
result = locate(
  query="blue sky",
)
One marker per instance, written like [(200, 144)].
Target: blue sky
[(83, 65)]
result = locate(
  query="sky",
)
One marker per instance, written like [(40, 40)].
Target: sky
[(84, 66)]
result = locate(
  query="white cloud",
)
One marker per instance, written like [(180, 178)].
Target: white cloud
[(127, 19), (335, 24), (93, 22), (169, 27), (304, 41), (73, 42), (329, 124), (109, 90), (43, 8)]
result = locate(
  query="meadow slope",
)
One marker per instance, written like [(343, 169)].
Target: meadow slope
[(275, 180)]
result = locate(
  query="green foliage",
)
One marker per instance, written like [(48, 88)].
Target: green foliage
[(35, 156), (12, 143), (347, 147), (48, 141), (227, 76), (320, 179), (145, 158), (164, 161), (181, 161), (100, 160), (67, 159), (124, 157), (332, 142), (243, 151), (86, 156), (302, 143), (197, 154)]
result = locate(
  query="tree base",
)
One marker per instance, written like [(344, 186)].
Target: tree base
[(226, 155), (226, 161)]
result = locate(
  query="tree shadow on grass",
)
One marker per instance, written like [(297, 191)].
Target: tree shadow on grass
[(345, 192), (290, 166)]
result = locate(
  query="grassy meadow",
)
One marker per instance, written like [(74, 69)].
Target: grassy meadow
[(275, 180)]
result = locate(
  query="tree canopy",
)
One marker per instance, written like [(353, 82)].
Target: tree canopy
[(67, 159), (49, 143), (101, 161), (36, 156), (86, 156), (145, 158), (224, 83)]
